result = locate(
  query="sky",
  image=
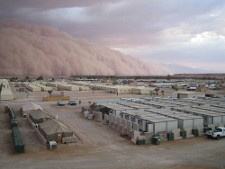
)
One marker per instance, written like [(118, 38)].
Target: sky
[(187, 36)]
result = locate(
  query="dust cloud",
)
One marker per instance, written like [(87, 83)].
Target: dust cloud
[(29, 49)]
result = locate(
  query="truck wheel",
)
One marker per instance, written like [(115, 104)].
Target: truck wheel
[(218, 137)]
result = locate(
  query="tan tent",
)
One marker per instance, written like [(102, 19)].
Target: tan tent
[(54, 130), (38, 116), (29, 107)]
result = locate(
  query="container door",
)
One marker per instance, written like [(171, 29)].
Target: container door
[(59, 137), (150, 128)]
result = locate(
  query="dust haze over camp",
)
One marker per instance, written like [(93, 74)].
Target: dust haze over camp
[(169, 36), (30, 49)]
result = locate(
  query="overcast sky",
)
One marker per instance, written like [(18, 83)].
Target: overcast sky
[(188, 33)]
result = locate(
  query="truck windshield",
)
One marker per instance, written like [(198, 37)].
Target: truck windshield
[(218, 130)]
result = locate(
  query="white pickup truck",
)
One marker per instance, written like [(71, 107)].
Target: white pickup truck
[(217, 133)]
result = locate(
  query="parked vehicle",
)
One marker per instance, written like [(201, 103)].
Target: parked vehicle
[(72, 103), (51, 144), (60, 103), (217, 133)]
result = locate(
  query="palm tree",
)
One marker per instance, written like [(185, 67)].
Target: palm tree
[(151, 92), (156, 91), (175, 87)]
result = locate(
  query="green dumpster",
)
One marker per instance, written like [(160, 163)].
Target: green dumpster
[(156, 140), (140, 142), (195, 132), (170, 136), (183, 134)]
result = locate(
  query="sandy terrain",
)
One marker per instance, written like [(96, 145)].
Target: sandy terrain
[(102, 146)]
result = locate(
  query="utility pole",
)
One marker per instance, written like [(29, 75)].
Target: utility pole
[(1, 90)]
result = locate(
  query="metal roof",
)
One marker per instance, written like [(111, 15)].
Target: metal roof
[(175, 103), (175, 114), (149, 116), (210, 108), (115, 106), (198, 111), (135, 105)]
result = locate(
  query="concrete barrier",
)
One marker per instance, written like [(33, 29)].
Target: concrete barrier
[(148, 137), (72, 139), (31, 122), (40, 136), (176, 134), (163, 135), (189, 132)]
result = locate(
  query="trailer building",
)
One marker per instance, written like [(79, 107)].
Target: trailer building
[(210, 118), (186, 122), (6, 92)]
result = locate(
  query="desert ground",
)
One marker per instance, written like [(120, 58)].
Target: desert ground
[(101, 147)]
